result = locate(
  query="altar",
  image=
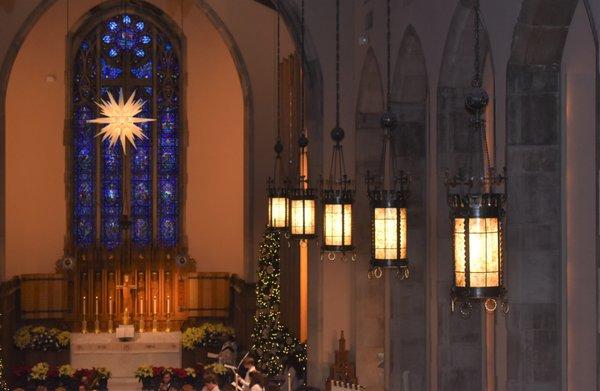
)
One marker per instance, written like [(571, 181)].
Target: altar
[(123, 358)]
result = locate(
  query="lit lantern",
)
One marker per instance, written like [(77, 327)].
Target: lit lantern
[(388, 230), (388, 193), (278, 208), (303, 200), (303, 214), (337, 220), (277, 195), (477, 221), (337, 199)]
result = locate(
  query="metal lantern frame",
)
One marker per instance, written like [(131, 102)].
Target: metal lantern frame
[(470, 198), (394, 198), (467, 206)]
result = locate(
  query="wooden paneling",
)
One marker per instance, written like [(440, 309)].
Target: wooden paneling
[(208, 295), (44, 296)]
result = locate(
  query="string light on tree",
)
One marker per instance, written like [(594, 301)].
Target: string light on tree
[(272, 342)]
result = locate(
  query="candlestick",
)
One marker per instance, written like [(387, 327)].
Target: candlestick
[(110, 305), (141, 306), (83, 306), (168, 305), (125, 317), (96, 306), (154, 305)]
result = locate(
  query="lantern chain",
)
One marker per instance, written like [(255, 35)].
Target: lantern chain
[(389, 61), (337, 64)]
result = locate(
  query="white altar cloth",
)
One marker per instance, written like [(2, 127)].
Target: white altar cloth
[(123, 358)]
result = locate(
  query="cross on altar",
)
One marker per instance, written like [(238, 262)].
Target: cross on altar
[(127, 291)]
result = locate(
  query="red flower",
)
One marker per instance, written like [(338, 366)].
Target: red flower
[(157, 371), (180, 373)]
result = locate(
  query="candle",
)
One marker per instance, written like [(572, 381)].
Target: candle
[(110, 309), (154, 306), (83, 306), (168, 305), (141, 306), (96, 306)]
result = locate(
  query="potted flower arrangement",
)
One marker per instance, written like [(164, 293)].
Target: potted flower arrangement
[(38, 375), (198, 341), (66, 377), (43, 344), (101, 378), (145, 375)]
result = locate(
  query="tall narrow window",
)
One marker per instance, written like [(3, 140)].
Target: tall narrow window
[(132, 198)]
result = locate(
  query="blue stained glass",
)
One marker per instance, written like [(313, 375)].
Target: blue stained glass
[(85, 45), (145, 39), (141, 231), (107, 38), (126, 39), (111, 208), (126, 19), (168, 160), (143, 71), (113, 52), (140, 53), (139, 25), (109, 72), (168, 229), (141, 193), (112, 26), (167, 122), (148, 90), (85, 193), (168, 47)]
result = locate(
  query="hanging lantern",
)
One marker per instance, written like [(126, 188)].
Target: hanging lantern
[(336, 195), (303, 214), (478, 246), (337, 199), (389, 221), (277, 188), (477, 214), (303, 200), (277, 196), (388, 193)]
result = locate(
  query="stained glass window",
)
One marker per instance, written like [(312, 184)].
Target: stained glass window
[(139, 192)]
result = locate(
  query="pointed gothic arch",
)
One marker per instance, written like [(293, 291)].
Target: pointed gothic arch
[(408, 331), (369, 108)]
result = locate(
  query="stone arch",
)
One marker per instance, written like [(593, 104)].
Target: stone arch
[(369, 108), (408, 308), (536, 268), (459, 341)]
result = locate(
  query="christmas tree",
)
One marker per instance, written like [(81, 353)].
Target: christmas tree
[(272, 342)]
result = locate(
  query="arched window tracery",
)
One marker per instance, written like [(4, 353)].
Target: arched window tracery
[(134, 198)]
